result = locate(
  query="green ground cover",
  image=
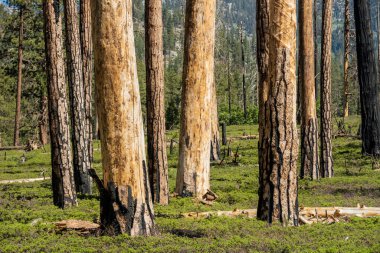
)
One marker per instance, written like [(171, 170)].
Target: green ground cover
[(236, 185)]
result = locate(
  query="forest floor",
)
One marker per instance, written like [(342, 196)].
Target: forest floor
[(27, 212)]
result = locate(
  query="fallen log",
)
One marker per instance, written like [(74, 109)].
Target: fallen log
[(317, 213), (9, 148), (325, 212), (82, 227), (26, 180), (242, 138)]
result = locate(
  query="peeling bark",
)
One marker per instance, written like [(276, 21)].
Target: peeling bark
[(368, 82), (309, 133), (326, 169), (193, 176), (126, 204), (278, 180), (64, 194), (77, 99), (155, 104)]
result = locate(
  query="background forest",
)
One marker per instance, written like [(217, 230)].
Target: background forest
[(235, 20)]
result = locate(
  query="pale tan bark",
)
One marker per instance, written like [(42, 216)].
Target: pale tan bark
[(326, 131), (193, 175), (126, 205), (347, 33), (309, 133), (278, 195), (155, 95), (77, 99), (64, 194)]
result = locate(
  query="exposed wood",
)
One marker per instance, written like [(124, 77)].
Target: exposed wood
[(304, 212), (368, 82), (278, 172), (64, 194), (27, 180), (126, 203), (155, 104), (79, 132), (326, 158), (193, 176)]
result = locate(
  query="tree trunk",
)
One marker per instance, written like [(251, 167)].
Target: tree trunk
[(155, 104), (43, 121), (326, 142), (315, 25), (262, 35), (126, 204), (77, 99), (16, 141), (309, 121), (368, 82), (346, 86), (243, 72), (215, 137), (86, 50), (63, 186), (278, 178), (193, 176)]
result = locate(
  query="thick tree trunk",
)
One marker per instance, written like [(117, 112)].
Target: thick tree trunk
[(278, 180), (43, 121), (77, 99), (262, 35), (369, 87), (126, 204), (86, 50), (215, 137), (309, 133), (16, 140), (193, 176), (326, 141), (346, 86), (155, 104), (64, 193), (315, 28)]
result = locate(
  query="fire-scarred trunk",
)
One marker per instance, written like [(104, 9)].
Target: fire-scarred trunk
[(64, 194), (126, 204)]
